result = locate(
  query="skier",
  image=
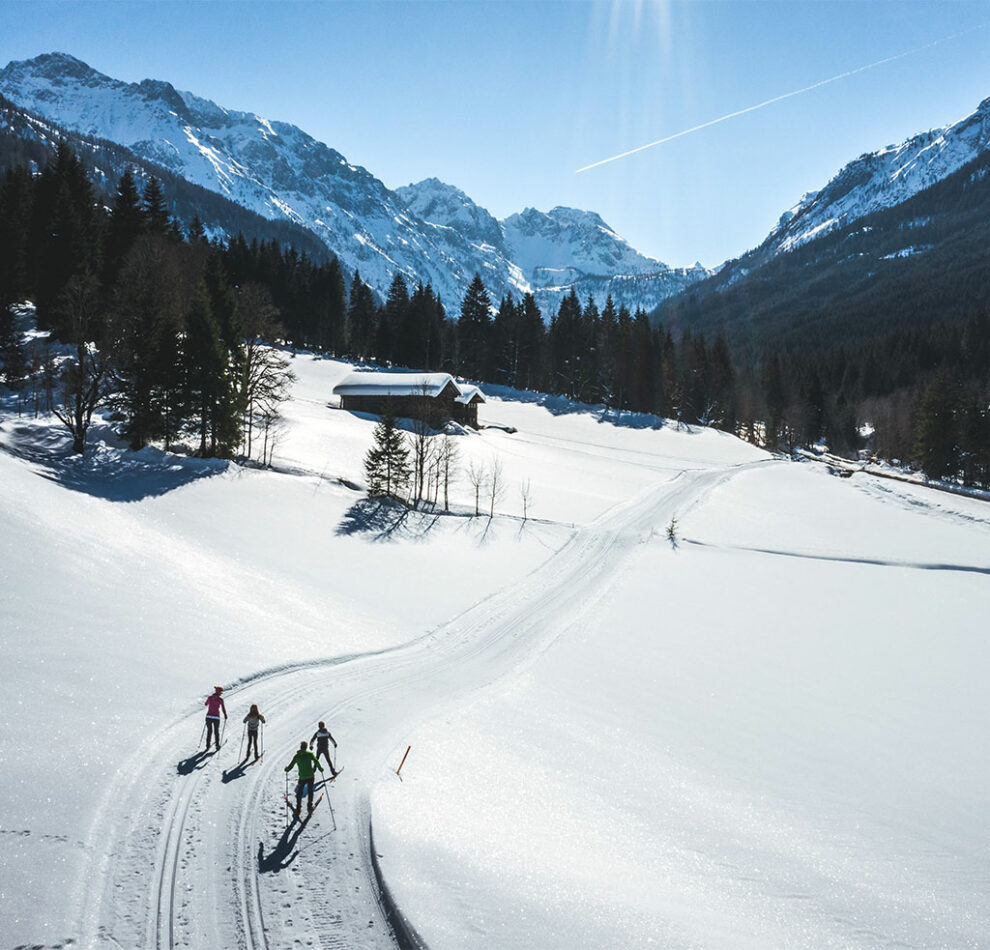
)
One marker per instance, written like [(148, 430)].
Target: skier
[(253, 718), (307, 763), (322, 738), (214, 705)]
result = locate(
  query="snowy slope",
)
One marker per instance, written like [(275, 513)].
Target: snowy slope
[(882, 179), (772, 736), (430, 232), (134, 582)]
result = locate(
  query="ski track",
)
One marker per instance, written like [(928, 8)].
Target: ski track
[(202, 857)]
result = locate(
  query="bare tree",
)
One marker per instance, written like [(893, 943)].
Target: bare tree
[(526, 496), (266, 381), (448, 458), (496, 484), (272, 425), (421, 441), (712, 415), (265, 375), (83, 380), (477, 477)]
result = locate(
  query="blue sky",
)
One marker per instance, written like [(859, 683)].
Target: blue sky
[(506, 99)]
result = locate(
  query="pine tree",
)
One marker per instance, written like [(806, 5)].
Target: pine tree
[(156, 216), (390, 319), (64, 237), (210, 383), (13, 355), (197, 233), (935, 446), (474, 332), (386, 465), (125, 225), (773, 399), (150, 300), (361, 316)]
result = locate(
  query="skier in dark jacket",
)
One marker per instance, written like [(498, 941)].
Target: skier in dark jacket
[(214, 706), (253, 720), (307, 764), (322, 738)]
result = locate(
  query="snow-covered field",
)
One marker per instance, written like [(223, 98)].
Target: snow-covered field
[(770, 734)]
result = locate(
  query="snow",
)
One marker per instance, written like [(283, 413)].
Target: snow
[(907, 252), (394, 384), (770, 734)]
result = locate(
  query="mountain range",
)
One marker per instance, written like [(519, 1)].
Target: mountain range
[(430, 231), (433, 232), (898, 238)]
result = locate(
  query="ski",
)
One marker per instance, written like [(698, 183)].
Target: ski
[(292, 808), (296, 812), (333, 778)]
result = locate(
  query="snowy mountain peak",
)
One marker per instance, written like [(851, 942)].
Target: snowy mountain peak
[(430, 231), (438, 203), (551, 247), (882, 179), (55, 66)]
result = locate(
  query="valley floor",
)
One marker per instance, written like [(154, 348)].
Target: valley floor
[(767, 734)]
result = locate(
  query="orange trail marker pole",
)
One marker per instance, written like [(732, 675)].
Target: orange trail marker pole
[(403, 762)]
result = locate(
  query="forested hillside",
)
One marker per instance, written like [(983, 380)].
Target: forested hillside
[(164, 324)]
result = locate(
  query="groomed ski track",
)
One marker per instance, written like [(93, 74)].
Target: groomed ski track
[(195, 851)]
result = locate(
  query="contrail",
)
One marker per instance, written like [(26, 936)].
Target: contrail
[(786, 95)]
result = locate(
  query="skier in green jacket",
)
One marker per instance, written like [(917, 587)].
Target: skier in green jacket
[(307, 764)]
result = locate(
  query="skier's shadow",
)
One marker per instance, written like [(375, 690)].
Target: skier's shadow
[(283, 854), (236, 772), (196, 761)]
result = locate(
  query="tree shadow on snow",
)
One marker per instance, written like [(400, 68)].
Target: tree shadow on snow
[(562, 406), (386, 520), (107, 469)]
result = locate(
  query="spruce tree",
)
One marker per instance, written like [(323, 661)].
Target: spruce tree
[(125, 224), (13, 355), (210, 382), (474, 332), (361, 316), (935, 447), (391, 319), (386, 465), (156, 216)]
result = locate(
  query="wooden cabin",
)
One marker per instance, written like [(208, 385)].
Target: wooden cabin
[(434, 397), (466, 405)]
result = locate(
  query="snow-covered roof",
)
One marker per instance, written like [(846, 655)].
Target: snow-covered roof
[(394, 384), (469, 393)]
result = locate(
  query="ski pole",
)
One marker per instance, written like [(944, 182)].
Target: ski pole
[(333, 817), (202, 733), (261, 739), (223, 730), (240, 748), (286, 801)]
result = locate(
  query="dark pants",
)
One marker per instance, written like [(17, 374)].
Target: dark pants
[(323, 748), (253, 737), (212, 728), (302, 785)]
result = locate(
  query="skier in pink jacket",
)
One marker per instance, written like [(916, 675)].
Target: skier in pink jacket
[(214, 706)]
